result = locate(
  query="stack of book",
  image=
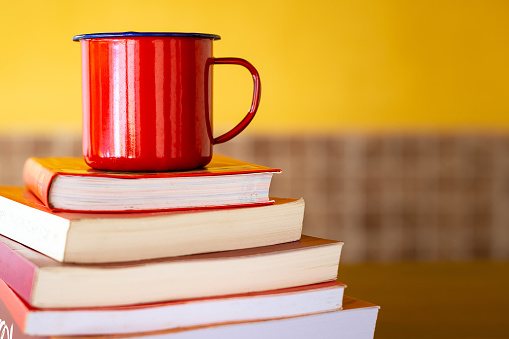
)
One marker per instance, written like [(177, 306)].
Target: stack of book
[(193, 254)]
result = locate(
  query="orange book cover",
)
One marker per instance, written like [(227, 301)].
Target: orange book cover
[(39, 174)]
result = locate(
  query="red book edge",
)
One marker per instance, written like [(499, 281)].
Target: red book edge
[(17, 308)]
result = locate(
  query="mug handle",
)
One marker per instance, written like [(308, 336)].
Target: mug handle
[(254, 104)]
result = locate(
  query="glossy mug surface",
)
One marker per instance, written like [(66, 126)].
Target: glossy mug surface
[(147, 100)]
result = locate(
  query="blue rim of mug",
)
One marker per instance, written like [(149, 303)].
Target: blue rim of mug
[(143, 34)]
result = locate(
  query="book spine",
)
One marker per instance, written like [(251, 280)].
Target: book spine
[(37, 179), (15, 307), (17, 272), (9, 328)]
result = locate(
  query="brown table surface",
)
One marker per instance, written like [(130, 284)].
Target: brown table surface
[(434, 300)]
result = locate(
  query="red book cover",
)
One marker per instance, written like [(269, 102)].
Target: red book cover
[(40, 173), (273, 304)]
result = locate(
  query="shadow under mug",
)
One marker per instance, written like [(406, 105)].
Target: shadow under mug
[(147, 100)]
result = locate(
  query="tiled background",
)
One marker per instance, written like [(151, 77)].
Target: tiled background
[(389, 197)]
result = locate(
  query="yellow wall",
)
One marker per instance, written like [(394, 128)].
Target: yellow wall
[(325, 65)]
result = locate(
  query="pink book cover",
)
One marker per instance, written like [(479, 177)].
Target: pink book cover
[(19, 265)]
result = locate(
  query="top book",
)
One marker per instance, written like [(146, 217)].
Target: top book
[(69, 184)]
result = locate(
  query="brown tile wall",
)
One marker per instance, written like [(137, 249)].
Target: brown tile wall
[(389, 197)]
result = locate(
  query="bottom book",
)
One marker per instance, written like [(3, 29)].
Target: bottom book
[(356, 320), (282, 303)]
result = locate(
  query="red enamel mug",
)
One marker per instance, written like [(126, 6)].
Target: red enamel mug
[(147, 100)]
